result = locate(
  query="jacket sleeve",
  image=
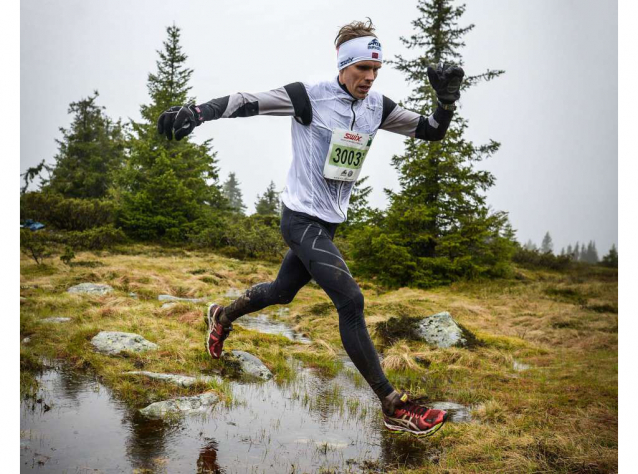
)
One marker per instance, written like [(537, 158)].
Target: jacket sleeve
[(291, 100), (396, 119)]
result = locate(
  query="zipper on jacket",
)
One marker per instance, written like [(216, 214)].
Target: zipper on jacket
[(354, 117)]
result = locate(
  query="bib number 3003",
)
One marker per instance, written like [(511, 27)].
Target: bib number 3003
[(346, 154)]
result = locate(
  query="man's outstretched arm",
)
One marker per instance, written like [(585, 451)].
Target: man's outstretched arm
[(289, 100), (446, 81), (396, 119)]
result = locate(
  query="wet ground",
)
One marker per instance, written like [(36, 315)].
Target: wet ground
[(75, 424), (264, 324)]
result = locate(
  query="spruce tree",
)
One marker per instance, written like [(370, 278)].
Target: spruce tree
[(359, 211), (268, 203), (438, 226), (90, 153), (577, 252), (570, 251), (611, 259), (168, 187), (547, 246), (233, 194)]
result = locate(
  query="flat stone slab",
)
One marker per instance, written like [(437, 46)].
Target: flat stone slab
[(248, 364), (441, 330), (233, 293), (55, 320), (114, 343), (91, 289), (458, 413), (181, 406), (176, 379), (177, 298)]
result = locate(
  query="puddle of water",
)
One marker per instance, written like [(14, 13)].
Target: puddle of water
[(458, 413), (302, 426), (263, 324)]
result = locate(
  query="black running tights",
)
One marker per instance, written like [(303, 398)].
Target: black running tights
[(312, 254)]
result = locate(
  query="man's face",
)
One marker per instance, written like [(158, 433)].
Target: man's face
[(359, 77)]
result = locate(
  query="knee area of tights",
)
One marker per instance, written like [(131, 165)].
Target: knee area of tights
[(285, 299), (354, 305)]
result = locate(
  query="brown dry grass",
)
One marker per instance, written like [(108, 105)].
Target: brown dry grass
[(561, 415)]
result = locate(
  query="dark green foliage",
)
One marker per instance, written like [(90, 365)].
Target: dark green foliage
[(537, 259), (62, 213), (268, 203), (167, 186), (611, 259), (359, 211), (96, 238), (35, 244), (67, 256), (243, 237), (233, 194), (90, 153), (438, 228)]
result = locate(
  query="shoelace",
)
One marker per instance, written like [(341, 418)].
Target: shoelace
[(420, 411)]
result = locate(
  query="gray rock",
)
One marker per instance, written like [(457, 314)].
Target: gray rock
[(91, 289), (168, 305), (55, 320), (248, 364), (180, 380), (177, 298), (114, 343), (133, 295), (181, 406), (441, 330), (233, 293), (26, 340)]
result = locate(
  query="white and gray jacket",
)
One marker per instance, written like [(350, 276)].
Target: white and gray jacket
[(318, 109)]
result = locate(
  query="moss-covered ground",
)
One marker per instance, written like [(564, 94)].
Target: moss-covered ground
[(560, 415)]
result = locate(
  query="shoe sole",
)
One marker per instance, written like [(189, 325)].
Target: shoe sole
[(400, 430), (210, 318)]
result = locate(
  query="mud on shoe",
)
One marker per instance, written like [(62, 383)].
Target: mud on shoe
[(401, 415), (217, 333)]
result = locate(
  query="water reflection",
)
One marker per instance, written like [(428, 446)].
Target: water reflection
[(262, 323), (311, 423)]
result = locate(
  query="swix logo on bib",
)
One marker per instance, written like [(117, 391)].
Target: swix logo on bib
[(347, 151)]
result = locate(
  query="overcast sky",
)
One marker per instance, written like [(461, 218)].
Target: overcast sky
[(554, 110)]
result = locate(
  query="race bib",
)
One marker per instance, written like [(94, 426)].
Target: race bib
[(346, 153)]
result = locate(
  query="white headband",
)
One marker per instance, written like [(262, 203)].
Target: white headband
[(364, 48)]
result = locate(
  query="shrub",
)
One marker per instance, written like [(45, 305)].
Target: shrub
[(91, 239), (537, 259), (62, 213), (35, 244)]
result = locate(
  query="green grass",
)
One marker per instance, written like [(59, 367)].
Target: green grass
[(561, 415)]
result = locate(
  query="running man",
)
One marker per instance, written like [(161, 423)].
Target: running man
[(334, 123)]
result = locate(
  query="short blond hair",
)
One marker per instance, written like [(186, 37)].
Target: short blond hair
[(353, 30)]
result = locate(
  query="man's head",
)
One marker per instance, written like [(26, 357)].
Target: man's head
[(359, 57)]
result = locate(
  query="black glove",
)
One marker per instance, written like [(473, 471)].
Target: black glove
[(179, 120), (446, 81)]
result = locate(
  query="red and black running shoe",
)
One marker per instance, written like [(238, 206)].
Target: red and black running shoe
[(217, 333), (403, 415)]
